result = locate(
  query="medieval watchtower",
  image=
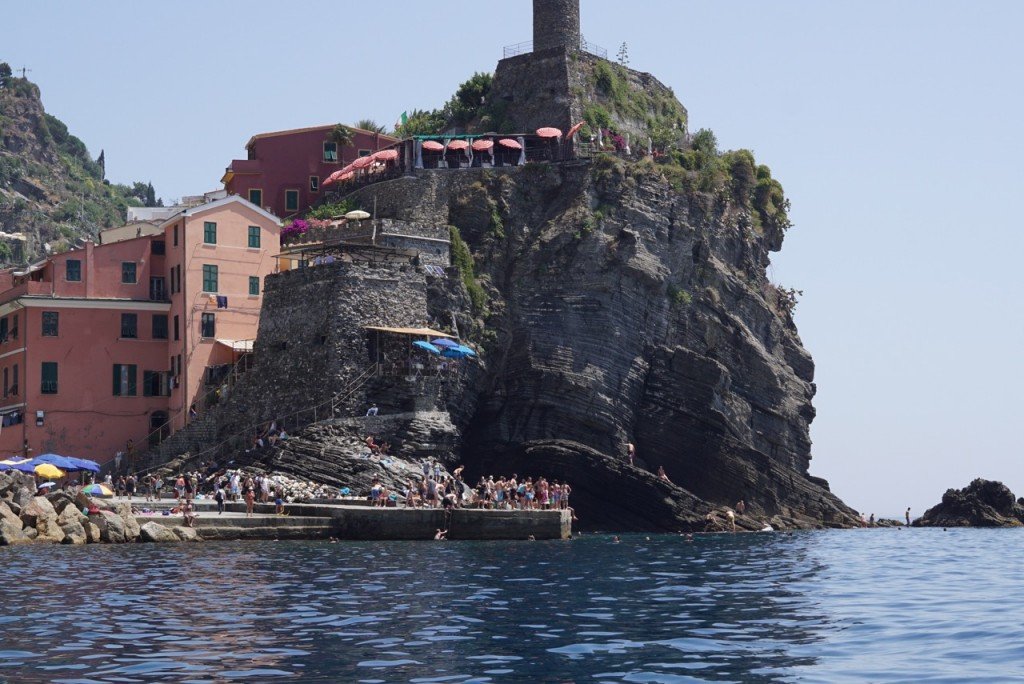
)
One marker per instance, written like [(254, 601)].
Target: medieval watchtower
[(556, 24)]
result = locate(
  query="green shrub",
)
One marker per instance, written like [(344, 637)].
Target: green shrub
[(678, 296), (329, 211), (462, 259)]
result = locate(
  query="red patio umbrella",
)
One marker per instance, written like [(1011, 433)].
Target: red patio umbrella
[(510, 143), (385, 155), (549, 132), (574, 130), (432, 146), (458, 145), (482, 145), (360, 163)]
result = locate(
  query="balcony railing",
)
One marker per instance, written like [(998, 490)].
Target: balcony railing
[(527, 47)]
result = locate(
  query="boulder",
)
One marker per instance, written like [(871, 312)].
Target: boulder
[(11, 533), (74, 533), (131, 525), (92, 532), (37, 509), (15, 508), (186, 533), (23, 496), (60, 501), (71, 514), (7, 514), (111, 527), (31, 533), (155, 532), (983, 503), (49, 530)]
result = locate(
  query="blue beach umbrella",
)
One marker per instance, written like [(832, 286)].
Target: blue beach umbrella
[(85, 464), (61, 462), (426, 346), (444, 342), (459, 352)]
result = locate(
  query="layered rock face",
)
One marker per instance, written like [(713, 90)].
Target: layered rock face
[(621, 310), (983, 503)]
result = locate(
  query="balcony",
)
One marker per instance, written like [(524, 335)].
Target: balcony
[(242, 167)]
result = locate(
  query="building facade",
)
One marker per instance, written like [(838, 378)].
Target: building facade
[(113, 342), (284, 169)]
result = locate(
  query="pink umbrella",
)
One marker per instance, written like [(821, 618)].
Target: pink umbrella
[(385, 155), (432, 146), (360, 163), (549, 132), (482, 145), (510, 143), (575, 129), (458, 145)]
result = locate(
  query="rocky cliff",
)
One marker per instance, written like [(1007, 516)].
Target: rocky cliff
[(620, 307), (983, 503), (52, 192)]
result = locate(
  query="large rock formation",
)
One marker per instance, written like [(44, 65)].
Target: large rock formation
[(983, 503)]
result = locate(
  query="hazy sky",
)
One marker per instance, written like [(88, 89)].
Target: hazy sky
[(894, 127)]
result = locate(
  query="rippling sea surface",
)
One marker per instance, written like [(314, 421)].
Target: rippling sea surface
[(860, 605)]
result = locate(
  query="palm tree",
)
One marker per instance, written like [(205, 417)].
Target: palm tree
[(342, 135), (370, 125)]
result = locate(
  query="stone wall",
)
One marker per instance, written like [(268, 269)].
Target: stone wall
[(556, 24), (535, 89)]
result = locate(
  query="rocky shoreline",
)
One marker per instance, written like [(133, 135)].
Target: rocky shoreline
[(57, 518)]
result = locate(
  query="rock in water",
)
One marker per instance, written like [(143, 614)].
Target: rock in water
[(111, 527), (131, 525), (74, 533), (92, 532), (10, 533), (188, 534), (983, 503), (155, 532)]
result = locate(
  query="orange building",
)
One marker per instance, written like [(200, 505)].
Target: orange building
[(115, 342)]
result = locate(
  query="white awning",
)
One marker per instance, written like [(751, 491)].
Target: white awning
[(237, 345)]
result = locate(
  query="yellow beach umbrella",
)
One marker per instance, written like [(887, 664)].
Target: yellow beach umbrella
[(47, 470)]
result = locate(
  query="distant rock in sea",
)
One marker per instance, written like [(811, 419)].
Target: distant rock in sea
[(983, 503)]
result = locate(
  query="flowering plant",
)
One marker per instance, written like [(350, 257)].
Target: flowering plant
[(296, 227)]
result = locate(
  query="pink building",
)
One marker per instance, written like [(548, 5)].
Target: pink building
[(113, 342), (284, 169)]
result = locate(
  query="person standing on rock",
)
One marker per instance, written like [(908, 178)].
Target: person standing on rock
[(908, 516), (741, 507), (250, 499), (631, 453), (219, 496)]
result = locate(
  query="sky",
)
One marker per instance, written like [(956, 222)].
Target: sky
[(893, 126)]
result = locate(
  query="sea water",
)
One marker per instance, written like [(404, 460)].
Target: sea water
[(875, 605)]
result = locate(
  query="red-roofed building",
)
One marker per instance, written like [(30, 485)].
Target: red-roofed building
[(284, 169)]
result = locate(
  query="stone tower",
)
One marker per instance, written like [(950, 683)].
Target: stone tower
[(556, 24)]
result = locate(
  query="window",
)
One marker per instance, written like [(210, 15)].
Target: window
[(6, 385), (159, 247), (175, 236), (50, 322), (73, 270), (365, 153), (153, 384), (254, 285), (291, 200), (14, 381), (157, 288), (254, 236), (128, 272), (209, 278), (330, 151), (210, 232), (3, 329), (314, 183), (256, 197), (124, 380), (159, 326), (129, 325), (49, 385), (14, 326), (208, 327), (177, 335)]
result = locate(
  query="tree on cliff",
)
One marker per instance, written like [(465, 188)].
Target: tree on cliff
[(370, 125), (5, 74)]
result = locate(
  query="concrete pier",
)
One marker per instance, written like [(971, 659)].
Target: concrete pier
[(348, 521)]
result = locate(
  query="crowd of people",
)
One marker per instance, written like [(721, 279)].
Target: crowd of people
[(436, 489)]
